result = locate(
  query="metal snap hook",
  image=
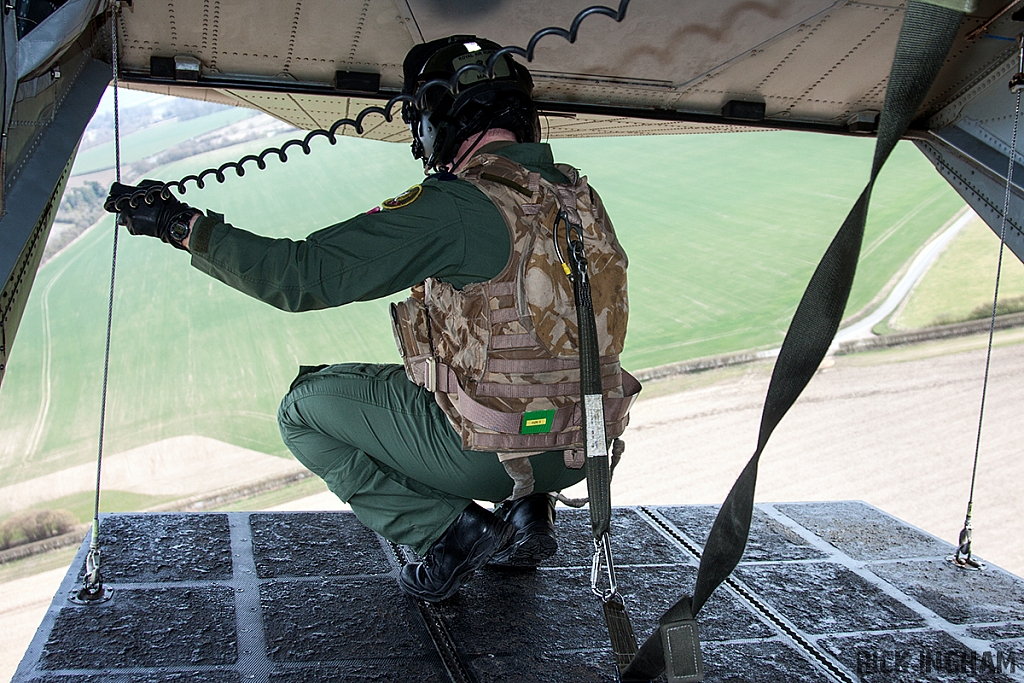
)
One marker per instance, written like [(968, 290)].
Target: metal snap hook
[(603, 551)]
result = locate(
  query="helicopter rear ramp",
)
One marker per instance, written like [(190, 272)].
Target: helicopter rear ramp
[(828, 591)]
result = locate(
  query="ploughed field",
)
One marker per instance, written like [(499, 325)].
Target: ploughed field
[(723, 233)]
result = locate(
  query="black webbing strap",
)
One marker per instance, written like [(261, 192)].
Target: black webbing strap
[(591, 390), (925, 39), (595, 443)]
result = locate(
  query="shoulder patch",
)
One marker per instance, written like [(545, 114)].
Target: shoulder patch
[(404, 199)]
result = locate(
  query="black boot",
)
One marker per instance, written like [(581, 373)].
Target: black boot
[(464, 547), (533, 518)]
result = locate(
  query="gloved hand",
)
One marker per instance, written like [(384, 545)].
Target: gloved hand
[(154, 220)]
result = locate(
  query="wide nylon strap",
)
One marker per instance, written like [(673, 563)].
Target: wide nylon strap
[(925, 39), (591, 401), (595, 445)]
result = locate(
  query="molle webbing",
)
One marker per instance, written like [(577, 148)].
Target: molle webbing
[(511, 341), (566, 419), (537, 364), (608, 381)]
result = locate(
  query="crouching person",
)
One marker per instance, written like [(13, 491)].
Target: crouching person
[(485, 404)]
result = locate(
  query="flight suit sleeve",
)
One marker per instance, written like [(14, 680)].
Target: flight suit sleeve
[(366, 257)]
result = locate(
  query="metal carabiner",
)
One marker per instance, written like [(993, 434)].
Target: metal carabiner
[(92, 591), (603, 547), (1017, 82), (962, 558), (577, 251)]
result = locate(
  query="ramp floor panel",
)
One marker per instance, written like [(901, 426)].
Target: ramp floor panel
[(833, 591)]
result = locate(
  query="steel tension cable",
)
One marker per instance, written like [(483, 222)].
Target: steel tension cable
[(93, 591), (962, 557)]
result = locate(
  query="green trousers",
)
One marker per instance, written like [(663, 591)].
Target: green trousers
[(383, 446)]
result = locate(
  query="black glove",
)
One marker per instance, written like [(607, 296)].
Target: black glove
[(163, 219)]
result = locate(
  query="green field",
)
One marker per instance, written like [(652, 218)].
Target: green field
[(81, 504), (154, 139), (723, 233), (962, 280)]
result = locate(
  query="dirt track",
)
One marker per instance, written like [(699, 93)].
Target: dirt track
[(894, 428), (177, 467)]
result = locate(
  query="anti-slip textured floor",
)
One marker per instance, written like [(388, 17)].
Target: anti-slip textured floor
[(836, 591)]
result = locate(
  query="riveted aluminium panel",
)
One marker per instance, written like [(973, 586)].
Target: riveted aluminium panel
[(978, 173), (301, 40), (988, 114), (813, 63), (825, 68), (660, 45), (278, 104)]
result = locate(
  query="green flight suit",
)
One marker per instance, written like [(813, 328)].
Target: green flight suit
[(380, 442)]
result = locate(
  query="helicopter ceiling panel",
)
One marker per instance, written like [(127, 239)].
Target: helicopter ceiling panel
[(280, 105), (663, 41), (279, 41), (597, 126), (823, 70), (812, 64)]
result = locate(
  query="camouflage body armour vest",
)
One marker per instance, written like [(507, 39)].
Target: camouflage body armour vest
[(501, 356)]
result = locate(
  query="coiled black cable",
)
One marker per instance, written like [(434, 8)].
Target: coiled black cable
[(163, 190)]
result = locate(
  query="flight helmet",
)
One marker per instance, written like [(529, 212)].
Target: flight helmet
[(442, 121)]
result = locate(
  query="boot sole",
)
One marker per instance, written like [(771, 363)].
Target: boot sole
[(527, 553)]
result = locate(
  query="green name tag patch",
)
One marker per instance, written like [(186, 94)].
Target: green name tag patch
[(537, 422)]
